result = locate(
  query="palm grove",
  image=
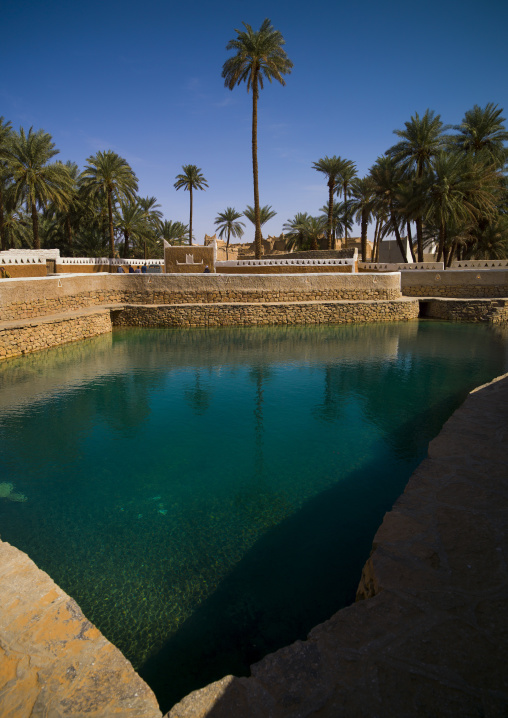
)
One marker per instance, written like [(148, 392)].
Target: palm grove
[(440, 186)]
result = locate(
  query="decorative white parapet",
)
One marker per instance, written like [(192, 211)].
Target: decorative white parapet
[(480, 264), (399, 267), (28, 256), (106, 260), (287, 262)]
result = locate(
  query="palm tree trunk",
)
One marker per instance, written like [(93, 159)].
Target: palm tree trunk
[(441, 243), (410, 238), (257, 216), (330, 213), (126, 244), (3, 234), (375, 246), (111, 232), (419, 238), (397, 235), (227, 245), (364, 235), (35, 226), (452, 251), (345, 214), (68, 230), (190, 217)]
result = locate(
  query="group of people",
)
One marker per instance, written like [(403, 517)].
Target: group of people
[(132, 270)]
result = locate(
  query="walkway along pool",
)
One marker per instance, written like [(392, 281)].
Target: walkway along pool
[(208, 496)]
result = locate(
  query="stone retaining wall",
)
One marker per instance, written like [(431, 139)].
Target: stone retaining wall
[(25, 337), (455, 283), (22, 299), (467, 310), (226, 314)]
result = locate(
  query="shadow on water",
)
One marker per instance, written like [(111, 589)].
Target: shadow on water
[(296, 576)]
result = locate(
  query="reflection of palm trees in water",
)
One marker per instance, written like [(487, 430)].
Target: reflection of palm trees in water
[(198, 396), (332, 406), (259, 374)]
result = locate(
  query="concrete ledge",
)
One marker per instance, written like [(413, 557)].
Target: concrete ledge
[(431, 636)]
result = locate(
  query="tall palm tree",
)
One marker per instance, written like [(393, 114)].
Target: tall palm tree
[(227, 221), (386, 176), (482, 131), (109, 174), (5, 176), (361, 208), (419, 142), (338, 219), (346, 174), (189, 180), (34, 180), (331, 167), (259, 56)]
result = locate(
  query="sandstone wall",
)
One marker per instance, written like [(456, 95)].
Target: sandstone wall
[(467, 310), (455, 283), (24, 337), (285, 269), (210, 315), (23, 270), (39, 297)]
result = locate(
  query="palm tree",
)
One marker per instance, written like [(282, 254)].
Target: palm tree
[(386, 177), (338, 219), (313, 229), (259, 55), (346, 174), (5, 176), (175, 232), (131, 220), (34, 180), (294, 231), (110, 175), (362, 192), (227, 222), (266, 213), (331, 167), (419, 143), (482, 131), (189, 180)]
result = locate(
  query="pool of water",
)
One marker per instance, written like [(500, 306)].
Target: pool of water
[(208, 496)]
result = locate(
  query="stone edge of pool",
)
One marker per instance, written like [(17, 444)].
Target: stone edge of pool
[(427, 636)]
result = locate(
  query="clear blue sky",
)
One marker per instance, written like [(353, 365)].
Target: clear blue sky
[(144, 79)]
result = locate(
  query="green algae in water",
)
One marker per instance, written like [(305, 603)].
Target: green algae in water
[(208, 496)]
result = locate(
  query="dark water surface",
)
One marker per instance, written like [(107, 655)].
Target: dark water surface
[(208, 496)]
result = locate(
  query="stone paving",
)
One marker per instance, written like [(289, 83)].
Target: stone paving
[(428, 635)]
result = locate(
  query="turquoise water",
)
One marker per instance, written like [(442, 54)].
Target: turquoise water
[(208, 496)]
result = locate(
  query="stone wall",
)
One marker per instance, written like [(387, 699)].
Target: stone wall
[(24, 337), (455, 283), (39, 297), (211, 315), (466, 310), (23, 270), (285, 269)]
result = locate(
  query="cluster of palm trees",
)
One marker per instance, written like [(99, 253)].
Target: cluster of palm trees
[(89, 213), (451, 185)]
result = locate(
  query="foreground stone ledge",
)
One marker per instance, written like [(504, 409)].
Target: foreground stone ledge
[(430, 637), (53, 661)]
